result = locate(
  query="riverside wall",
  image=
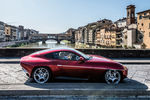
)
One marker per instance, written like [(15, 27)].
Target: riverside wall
[(110, 53)]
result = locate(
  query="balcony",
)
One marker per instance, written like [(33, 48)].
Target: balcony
[(119, 45), (118, 38)]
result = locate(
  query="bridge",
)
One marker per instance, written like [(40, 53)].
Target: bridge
[(56, 37)]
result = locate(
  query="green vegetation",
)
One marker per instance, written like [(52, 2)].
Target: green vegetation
[(66, 41)]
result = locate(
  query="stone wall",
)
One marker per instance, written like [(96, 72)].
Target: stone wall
[(110, 53)]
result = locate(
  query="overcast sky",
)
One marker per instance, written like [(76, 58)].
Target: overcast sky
[(55, 16)]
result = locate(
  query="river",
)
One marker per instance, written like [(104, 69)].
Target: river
[(48, 44)]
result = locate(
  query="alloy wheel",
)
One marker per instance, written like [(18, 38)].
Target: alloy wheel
[(41, 75), (112, 77)]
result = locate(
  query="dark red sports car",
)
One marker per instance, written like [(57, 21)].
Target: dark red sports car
[(47, 64)]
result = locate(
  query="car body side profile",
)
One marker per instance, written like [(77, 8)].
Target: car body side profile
[(50, 63)]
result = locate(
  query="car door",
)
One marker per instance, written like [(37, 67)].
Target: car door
[(73, 67), (56, 63)]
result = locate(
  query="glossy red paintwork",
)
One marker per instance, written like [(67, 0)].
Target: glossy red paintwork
[(95, 67)]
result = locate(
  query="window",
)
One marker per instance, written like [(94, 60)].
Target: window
[(63, 55), (149, 25), (140, 17), (149, 34), (128, 14), (145, 14), (132, 15), (51, 56), (142, 24)]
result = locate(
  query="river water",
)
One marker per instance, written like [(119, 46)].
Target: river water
[(49, 44)]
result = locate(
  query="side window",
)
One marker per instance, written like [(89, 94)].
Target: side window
[(49, 56), (54, 55), (68, 56), (64, 55)]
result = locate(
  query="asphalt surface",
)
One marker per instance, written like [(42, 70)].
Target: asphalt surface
[(15, 85)]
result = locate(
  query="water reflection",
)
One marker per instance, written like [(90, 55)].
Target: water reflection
[(49, 44)]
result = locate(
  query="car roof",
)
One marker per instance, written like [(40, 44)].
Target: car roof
[(48, 50)]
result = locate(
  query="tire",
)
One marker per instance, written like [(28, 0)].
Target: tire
[(112, 77), (41, 75)]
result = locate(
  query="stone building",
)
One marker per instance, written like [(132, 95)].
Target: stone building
[(129, 34), (77, 39), (94, 30), (119, 37), (10, 32), (121, 23), (91, 33), (109, 36), (27, 33), (81, 34), (71, 34), (2, 31), (102, 37), (143, 22), (98, 37), (13, 33), (131, 15), (85, 35), (7, 32), (21, 32)]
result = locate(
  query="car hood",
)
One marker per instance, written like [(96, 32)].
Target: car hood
[(96, 58)]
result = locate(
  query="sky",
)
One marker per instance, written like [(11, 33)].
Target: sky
[(56, 16)]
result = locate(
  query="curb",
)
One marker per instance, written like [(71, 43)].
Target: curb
[(79, 92), (11, 62)]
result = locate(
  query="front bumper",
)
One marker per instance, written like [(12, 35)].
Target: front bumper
[(25, 72)]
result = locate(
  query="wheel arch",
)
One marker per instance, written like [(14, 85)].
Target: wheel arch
[(121, 73), (35, 67)]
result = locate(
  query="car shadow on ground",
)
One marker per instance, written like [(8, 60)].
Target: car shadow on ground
[(86, 84)]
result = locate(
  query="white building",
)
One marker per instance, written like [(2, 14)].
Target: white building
[(129, 36), (2, 31), (121, 23)]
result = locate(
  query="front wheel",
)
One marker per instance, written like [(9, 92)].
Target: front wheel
[(112, 77), (41, 75)]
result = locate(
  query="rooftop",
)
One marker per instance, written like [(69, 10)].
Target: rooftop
[(144, 11), (130, 6)]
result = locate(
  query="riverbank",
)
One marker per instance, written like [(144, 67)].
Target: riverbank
[(14, 43)]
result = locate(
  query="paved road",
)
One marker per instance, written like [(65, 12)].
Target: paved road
[(12, 73)]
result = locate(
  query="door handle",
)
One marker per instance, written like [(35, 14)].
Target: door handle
[(59, 65)]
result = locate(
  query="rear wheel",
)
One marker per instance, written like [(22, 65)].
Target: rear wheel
[(112, 77), (41, 75)]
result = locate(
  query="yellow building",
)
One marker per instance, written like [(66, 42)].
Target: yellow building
[(102, 37), (97, 37), (143, 22), (8, 32), (106, 38), (110, 38)]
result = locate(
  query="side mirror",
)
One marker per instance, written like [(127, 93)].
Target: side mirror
[(81, 59)]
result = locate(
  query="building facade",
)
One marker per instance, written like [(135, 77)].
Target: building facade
[(143, 23), (121, 23), (131, 15), (2, 31), (7, 32), (13, 33)]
